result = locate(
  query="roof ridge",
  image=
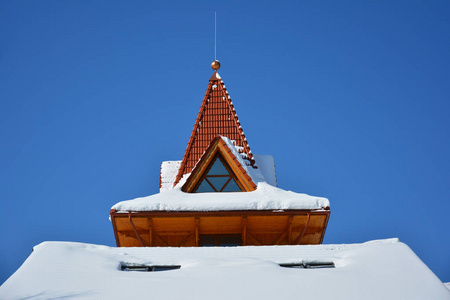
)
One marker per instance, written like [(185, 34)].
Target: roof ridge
[(217, 116)]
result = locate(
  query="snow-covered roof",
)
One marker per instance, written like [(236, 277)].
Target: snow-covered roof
[(263, 170), (384, 269), (266, 165), (169, 170), (265, 197)]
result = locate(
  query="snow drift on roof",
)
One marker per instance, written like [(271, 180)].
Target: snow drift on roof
[(266, 165), (266, 197), (385, 269), (265, 168), (254, 173)]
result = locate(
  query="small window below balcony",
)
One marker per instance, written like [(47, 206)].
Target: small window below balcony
[(220, 240)]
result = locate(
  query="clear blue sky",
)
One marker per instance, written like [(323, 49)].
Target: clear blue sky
[(351, 98)]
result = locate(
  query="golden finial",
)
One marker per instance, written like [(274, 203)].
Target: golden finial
[(215, 65)]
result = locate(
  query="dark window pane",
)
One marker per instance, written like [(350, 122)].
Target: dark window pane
[(208, 241), (218, 182), (229, 240), (204, 187), (218, 168), (232, 186), (218, 177), (220, 240)]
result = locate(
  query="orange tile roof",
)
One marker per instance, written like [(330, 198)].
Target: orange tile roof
[(217, 116)]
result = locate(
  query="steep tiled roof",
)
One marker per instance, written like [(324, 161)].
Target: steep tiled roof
[(217, 116)]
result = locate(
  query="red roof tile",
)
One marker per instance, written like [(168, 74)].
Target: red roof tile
[(216, 117)]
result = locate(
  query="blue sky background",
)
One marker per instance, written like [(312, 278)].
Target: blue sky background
[(351, 98)]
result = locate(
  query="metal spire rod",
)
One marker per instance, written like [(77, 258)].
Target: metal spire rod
[(215, 35)]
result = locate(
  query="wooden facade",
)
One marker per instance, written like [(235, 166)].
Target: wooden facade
[(250, 228)]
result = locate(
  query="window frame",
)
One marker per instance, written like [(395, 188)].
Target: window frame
[(230, 172)]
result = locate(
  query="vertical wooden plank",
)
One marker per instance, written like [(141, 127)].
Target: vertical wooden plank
[(197, 221), (150, 231), (244, 231), (291, 218), (304, 230)]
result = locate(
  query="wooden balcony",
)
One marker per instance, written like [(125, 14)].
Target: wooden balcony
[(190, 229)]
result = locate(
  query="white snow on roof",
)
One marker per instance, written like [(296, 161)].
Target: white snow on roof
[(255, 174), (169, 171), (266, 165), (385, 269), (266, 197)]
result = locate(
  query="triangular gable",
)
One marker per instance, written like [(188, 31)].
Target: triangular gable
[(218, 160), (217, 116)]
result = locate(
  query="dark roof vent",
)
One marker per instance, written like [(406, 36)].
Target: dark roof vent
[(145, 268), (309, 265)]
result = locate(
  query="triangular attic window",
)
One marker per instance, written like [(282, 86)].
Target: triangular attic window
[(218, 178)]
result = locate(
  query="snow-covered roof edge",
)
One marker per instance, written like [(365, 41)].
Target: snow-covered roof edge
[(254, 173), (264, 163), (265, 197), (383, 269)]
